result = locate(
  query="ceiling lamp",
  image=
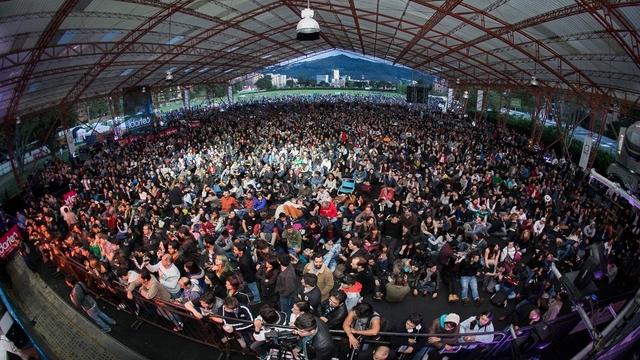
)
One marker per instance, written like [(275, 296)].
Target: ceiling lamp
[(534, 81), (457, 81), (465, 94), (308, 29), (169, 77)]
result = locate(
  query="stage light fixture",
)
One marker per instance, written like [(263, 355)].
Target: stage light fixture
[(534, 81), (307, 29)]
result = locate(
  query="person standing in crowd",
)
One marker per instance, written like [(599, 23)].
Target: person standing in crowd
[(316, 342), (286, 284), (469, 270), (325, 277), (248, 270), (333, 311), (309, 292), (168, 274), (410, 346), (236, 321)]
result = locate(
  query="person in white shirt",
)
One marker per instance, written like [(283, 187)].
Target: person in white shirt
[(538, 226), (168, 274), (474, 325)]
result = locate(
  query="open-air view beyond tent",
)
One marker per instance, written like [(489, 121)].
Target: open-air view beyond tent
[(305, 179)]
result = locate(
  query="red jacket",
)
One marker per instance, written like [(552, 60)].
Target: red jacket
[(330, 211)]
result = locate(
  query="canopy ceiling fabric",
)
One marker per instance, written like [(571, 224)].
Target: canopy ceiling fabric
[(59, 51)]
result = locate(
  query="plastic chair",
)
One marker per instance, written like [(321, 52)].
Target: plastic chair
[(347, 186)]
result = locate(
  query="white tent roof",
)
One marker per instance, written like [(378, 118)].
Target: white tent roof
[(59, 51)]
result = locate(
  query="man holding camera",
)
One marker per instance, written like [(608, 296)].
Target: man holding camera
[(316, 342)]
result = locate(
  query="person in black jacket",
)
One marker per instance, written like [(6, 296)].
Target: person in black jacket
[(410, 347), (309, 292), (469, 269), (316, 342), (333, 311), (286, 284), (248, 270)]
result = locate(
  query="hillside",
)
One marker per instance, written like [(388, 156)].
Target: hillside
[(354, 67)]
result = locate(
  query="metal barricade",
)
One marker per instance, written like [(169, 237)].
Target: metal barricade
[(167, 315)]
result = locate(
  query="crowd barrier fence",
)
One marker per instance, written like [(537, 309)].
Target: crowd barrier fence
[(166, 315)]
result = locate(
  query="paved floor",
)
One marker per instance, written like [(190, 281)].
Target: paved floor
[(66, 334)]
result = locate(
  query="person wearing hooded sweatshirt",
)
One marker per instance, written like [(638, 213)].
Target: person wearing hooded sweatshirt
[(445, 324)]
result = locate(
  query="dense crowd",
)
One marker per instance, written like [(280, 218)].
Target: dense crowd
[(306, 213)]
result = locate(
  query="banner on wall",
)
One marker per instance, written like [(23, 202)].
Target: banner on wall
[(480, 100), (449, 98), (9, 242), (586, 151)]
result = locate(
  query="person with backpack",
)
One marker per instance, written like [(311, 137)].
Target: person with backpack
[(81, 297)]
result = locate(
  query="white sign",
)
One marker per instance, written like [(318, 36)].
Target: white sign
[(480, 100), (449, 98), (230, 94), (586, 151), (71, 142)]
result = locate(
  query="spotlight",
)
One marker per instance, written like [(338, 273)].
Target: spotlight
[(308, 29), (457, 81), (534, 81), (144, 89), (169, 76), (465, 94)]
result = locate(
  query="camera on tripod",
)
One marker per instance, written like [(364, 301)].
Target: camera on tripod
[(281, 345), (281, 339)]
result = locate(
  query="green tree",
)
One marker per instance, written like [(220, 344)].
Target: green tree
[(264, 83)]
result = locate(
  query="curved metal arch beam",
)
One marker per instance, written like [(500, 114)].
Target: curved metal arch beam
[(79, 50), (143, 73), (365, 35), (195, 78), (555, 14), (121, 47), (606, 15), (321, 6), (229, 49), (47, 35), (355, 20), (433, 21), (188, 78), (442, 63), (511, 42)]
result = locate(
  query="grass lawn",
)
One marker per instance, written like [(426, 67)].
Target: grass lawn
[(175, 105)]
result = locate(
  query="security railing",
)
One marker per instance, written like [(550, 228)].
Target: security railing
[(166, 315)]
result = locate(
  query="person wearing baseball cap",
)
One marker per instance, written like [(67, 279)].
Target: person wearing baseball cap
[(445, 324)]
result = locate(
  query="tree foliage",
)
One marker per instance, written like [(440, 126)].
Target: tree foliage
[(264, 83)]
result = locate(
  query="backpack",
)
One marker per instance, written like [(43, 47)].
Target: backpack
[(499, 299)]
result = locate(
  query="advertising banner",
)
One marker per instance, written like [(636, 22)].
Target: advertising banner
[(9, 242), (586, 151), (479, 101), (450, 98), (69, 198)]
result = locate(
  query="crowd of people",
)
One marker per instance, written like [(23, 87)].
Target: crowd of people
[(308, 213)]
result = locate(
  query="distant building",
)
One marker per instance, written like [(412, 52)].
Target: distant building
[(336, 75), (321, 78), (278, 80)]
